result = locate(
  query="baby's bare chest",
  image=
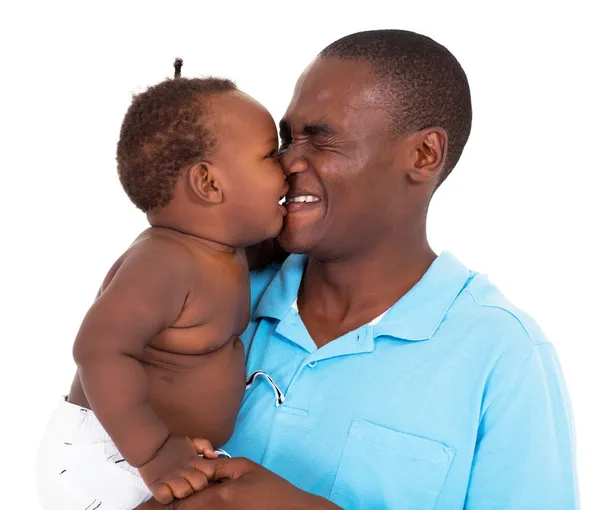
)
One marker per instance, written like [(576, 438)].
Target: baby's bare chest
[(216, 309)]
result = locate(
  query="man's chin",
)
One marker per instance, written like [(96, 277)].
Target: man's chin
[(292, 242)]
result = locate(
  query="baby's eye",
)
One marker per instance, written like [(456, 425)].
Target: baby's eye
[(273, 154)]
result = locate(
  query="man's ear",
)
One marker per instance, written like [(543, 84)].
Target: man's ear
[(204, 184), (428, 149)]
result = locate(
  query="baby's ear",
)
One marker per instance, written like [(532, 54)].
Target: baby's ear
[(202, 179)]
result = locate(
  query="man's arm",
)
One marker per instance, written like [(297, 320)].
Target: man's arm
[(524, 454), (144, 297)]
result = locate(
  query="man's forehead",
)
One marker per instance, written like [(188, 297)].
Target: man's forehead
[(334, 90)]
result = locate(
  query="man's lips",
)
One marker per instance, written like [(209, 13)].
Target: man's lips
[(302, 201)]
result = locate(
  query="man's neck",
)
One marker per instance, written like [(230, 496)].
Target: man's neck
[(356, 290)]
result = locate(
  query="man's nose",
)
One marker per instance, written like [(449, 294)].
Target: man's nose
[(292, 162)]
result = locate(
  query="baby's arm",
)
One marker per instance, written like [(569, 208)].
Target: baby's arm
[(145, 296)]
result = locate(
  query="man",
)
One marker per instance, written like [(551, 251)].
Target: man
[(410, 382)]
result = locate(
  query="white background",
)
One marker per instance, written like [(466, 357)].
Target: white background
[(522, 205)]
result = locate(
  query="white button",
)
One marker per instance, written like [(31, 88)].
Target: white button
[(312, 364)]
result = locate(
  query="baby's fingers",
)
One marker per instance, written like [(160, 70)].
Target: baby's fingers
[(204, 448), (162, 493), (180, 487), (196, 479)]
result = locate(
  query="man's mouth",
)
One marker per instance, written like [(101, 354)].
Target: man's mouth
[(304, 199), (298, 202)]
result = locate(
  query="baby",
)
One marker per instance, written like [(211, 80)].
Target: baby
[(160, 362)]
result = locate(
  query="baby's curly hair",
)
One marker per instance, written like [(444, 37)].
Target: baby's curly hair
[(165, 129)]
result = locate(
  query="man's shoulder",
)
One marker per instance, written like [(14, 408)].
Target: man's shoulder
[(488, 307), (498, 338), (489, 328)]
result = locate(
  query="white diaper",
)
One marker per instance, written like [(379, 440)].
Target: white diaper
[(80, 468)]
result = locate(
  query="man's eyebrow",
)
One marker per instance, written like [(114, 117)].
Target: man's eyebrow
[(316, 129)]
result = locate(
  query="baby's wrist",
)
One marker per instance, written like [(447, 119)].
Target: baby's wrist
[(156, 453)]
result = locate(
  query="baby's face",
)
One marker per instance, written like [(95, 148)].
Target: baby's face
[(247, 155)]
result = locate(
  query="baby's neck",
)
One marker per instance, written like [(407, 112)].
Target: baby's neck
[(202, 234)]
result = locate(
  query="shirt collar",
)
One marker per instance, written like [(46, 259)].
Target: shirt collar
[(419, 313), (416, 316), (282, 292)]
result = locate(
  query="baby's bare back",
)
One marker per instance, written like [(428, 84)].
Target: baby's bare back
[(194, 367)]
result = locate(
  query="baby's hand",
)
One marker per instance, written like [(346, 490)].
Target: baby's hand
[(204, 448), (172, 473)]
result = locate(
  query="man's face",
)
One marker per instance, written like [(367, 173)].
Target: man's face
[(336, 152)]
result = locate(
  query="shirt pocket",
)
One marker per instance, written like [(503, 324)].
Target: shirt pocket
[(384, 469)]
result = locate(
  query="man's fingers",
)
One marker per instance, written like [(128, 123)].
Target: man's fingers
[(223, 468), (216, 496), (231, 469)]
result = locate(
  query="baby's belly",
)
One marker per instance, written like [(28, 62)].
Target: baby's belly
[(198, 395)]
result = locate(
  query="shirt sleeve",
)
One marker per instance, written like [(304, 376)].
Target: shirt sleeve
[(524, 456)]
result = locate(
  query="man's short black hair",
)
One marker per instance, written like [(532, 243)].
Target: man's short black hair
[(166, 128), (424, 83)]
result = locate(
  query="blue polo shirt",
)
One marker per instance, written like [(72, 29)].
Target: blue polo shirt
[(452, 399)]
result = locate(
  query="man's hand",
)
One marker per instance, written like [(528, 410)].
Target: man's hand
[(244, 485), (173, 473)]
